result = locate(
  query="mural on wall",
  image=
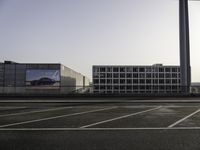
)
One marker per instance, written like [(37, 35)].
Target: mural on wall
[(42, 78)]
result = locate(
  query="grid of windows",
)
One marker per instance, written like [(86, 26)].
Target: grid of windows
[(136, 79)]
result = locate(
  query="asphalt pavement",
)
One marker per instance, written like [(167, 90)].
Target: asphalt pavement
[(100, 126)]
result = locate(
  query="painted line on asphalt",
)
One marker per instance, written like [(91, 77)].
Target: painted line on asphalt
[(56, 117), (181, 120), (11, 107), (98, 129), (104, 101), (121, 117), (34, 111), (164, 106)]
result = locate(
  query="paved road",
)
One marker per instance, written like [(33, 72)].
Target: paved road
[(100, 126)]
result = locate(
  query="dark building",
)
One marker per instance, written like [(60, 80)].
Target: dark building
[(39, 78)]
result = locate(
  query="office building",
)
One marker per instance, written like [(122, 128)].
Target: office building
[(155, 79)]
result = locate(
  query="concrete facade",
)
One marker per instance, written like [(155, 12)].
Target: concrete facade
[(136, 79), (14, 76)]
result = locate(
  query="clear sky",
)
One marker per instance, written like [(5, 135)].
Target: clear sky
[(82, 33)]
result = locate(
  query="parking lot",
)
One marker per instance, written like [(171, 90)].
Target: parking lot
[(112, 126)]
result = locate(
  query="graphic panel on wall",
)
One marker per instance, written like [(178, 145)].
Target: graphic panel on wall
[(42, 78)]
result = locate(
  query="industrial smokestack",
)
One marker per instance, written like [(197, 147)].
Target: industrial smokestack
[(184, 47)]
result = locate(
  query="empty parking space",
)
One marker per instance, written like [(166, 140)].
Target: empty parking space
[(84, 119), (9, 110), (100, 116), (100, 126), (192, 121), (52, 114), (32, 114), (161, 117)]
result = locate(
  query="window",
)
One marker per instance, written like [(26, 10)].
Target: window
[(109, 87), (167, 69), (102, 81), (142, 75), (109, 69), (122, 87), (161, 81), (148, 69), (116, 87), (115, 81), (142, 81), (109, 81), (174, 69), (116, 75), (96, 75), (122, 69), (115, 69), (122, 75), (122, 81), (155, 81), (168, 81), (161, 75), (129, 81), (102, 75), (168, 88), (96, 87), (109, 75), (174, 81), (179, 81), (142, 87), (174, 87), (141, 69), (102, 87), (129, 69), (129, 87), (135, 81), (155, 75), (96, 81), (174, 75), (96, 69), (161, 69), (161, 87), (135, 75), (129, 75), (148, 75), (135, 87), (148, 81), (102, 69), (135, 69), (148, 87), (168, 75)]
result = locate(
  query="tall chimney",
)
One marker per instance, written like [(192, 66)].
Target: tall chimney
[(184, 47)]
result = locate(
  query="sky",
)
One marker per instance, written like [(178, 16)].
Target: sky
[(82, 33)]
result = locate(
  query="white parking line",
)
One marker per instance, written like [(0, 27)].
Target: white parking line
[(164, 106), (121, 117), (98, 129), (11, 107), (125, 100), (56, 117), (34, 111), (181, 120)]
